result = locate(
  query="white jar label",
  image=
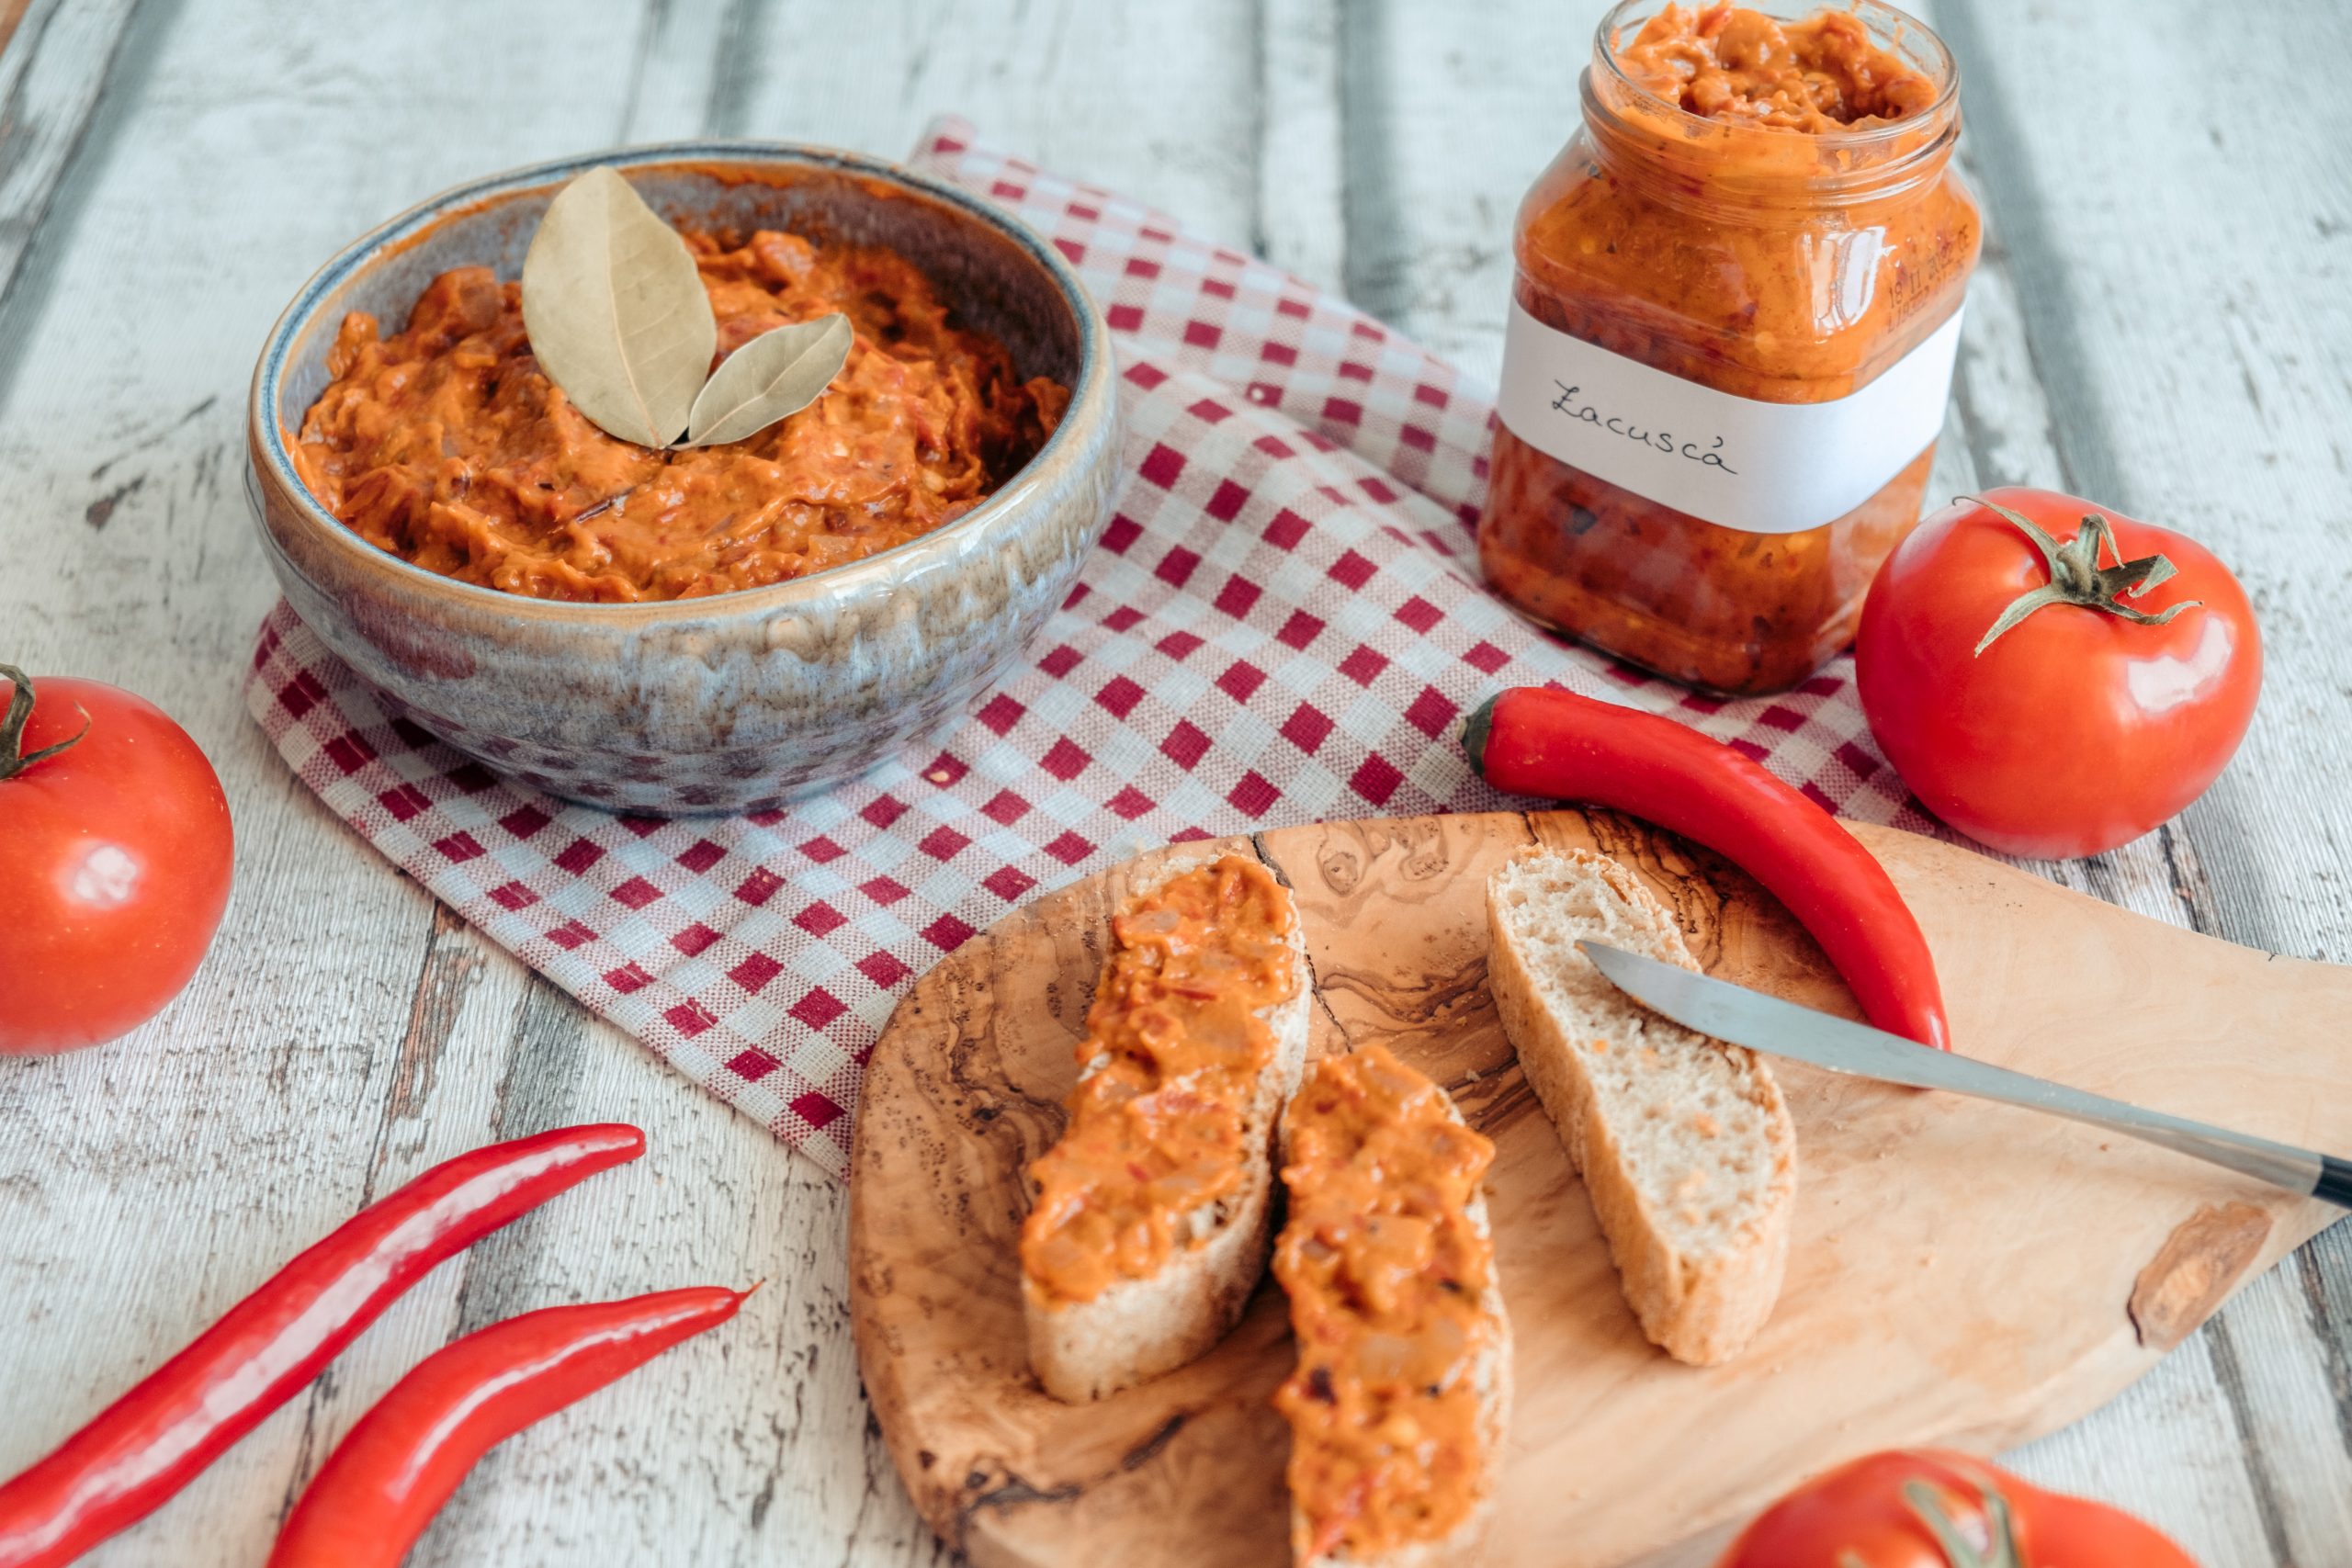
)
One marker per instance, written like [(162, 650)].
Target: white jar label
[(1763, 467)]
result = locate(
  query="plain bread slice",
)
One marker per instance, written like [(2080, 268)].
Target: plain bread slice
[(1684, 1143)]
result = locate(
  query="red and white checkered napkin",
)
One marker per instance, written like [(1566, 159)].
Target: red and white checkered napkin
[(1284, 624)]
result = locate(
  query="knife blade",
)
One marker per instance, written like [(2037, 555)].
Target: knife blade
[(1742, 1017)]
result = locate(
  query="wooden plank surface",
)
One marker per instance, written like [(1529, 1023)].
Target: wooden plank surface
[(2161, 321), (12, 12), (48, 89)]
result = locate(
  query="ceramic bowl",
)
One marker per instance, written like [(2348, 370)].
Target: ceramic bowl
[(737, 701)]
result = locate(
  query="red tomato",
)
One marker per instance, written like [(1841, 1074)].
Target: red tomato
[(2101, 713), (1929, 1508), (114, 862)]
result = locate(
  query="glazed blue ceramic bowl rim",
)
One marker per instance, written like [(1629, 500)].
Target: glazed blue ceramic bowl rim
[(850, 580)]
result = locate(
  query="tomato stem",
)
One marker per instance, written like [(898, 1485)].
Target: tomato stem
[(14, 759), (2000, 1549), (2077, 578)]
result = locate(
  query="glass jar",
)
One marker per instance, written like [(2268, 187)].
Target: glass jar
[(1730, 346)]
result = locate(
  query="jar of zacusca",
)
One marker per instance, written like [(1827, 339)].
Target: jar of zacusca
[(1736, 309)]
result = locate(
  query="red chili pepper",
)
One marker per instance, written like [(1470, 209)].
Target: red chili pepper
[(1536, 741), (384, 1482), (153, 1440)]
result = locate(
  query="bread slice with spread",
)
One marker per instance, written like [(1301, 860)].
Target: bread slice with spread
[(1684, 1143), (1151, 1218), (1402, 1393)]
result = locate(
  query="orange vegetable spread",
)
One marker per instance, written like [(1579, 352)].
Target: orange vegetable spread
[(1763, 207), (448, 446), (1172, 1055), (1388, 1280), (1821, 74)]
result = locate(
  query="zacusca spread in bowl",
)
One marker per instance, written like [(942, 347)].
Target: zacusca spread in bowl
[(715, 628), (1732, 331), (449, 445)]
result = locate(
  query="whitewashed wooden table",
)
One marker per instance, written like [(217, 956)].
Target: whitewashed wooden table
[(2163, 320)]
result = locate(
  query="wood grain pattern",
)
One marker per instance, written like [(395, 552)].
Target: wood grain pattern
[(1959, 1272), (51, 80), (2195, 1270)]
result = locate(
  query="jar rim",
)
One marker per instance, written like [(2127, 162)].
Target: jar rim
[(1898, 29)]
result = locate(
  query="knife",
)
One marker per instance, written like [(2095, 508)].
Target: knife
[(1765, 1023)]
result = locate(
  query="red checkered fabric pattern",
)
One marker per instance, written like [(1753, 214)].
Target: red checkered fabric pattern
[(1283, 623)]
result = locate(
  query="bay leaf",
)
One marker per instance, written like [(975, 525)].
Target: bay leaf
[(779, 372), (615, 310)]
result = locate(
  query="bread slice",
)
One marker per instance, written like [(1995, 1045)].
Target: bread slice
[(1146, 1322), (1684, 1143), (1402, 1393)]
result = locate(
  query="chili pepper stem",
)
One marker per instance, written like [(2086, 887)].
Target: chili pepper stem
[(13, 757), (2078, 578), (1475, 730)]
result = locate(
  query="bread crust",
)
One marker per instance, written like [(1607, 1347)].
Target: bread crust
[(1134, 1330), (1701, 1307)]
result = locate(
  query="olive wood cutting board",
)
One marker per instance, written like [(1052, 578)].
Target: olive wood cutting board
[(1960, 1273)]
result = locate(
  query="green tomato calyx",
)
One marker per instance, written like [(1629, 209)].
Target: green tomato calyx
[(14, 759), (2078, 578)]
